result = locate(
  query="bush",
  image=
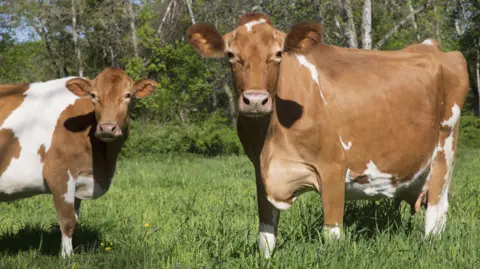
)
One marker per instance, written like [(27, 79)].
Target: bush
[(210, 137), (469, 131)]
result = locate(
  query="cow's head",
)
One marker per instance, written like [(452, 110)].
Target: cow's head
[(111, 92), (254, 50)]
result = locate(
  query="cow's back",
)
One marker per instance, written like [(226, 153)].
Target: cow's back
[(455, 73), (28, 118)]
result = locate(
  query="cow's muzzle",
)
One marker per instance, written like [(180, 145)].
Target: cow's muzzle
[(108, 132), (255, 103)]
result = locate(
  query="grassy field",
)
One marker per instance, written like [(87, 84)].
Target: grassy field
[(192, 212)]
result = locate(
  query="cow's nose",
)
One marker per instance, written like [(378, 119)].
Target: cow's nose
[(255, 103), (108, 127), (108, 131), (255, 98)]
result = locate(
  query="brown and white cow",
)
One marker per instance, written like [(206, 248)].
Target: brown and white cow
[(347, 123), (63, 137)]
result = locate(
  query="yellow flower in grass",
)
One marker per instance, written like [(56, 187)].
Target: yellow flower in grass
[(102, 244), (147, 225), (108, 249)]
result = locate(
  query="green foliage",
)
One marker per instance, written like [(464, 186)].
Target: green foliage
[(469, 132), (209, 137), (19, 63), (183, 84)]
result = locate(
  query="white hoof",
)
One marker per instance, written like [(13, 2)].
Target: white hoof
[(67, 247)]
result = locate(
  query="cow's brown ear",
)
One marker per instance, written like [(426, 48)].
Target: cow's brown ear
[(303, 37), (145, 87), (79, 86), (206, 40)]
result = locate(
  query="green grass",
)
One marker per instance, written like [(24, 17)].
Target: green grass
[(203, 214)]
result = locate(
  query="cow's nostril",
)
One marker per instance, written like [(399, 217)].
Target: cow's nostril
[(264, 101), (245, 100), (101, 129), (114, 128)]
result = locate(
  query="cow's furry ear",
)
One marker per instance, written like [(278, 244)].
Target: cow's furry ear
[(206, 40), (303, 37), (79, 86)]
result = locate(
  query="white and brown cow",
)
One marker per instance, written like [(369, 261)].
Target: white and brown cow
[(63, 137), (347, 123)]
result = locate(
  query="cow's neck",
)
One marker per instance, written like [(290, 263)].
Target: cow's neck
[(104, 158), (252, 133)]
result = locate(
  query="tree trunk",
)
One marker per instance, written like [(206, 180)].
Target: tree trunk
[(349, 29), (43, 35), (437, 24), (133, 28), (367, 25), (415, 26), (232, 108), (112, 55), (400, 23), (190, 11), (78, 52), (165, 15), (477, 92)]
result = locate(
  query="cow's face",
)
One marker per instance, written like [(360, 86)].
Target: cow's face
[(254, 50), (111, 92)]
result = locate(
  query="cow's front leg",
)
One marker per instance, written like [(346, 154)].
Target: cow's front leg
[(333, 202), (64, 199), (67, 221), (268, 221)]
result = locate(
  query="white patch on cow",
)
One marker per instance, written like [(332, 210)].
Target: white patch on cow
[(33, 123), (379, 185), (69, 196), (428, 41), (266, 236), (313, 70), (373, 172), (436, 215), (332, 232), (452, 121), (345, 146), (249, 25), (67, 246), (279, 205), (87, 188), (348, 176)]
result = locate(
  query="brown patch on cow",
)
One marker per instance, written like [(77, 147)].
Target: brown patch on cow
[(363, 179), (303, 37), (41, 152), (253, 17), (11, 96), (9, 148)]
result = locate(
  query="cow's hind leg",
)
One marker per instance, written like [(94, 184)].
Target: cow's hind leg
[(439, 180)]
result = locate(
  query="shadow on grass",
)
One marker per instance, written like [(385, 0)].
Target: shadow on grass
[(367, 219), (362, 220), (47, 242)]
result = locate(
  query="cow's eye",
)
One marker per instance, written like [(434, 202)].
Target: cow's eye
[(93, 95), (278, 54), (128, 96)]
